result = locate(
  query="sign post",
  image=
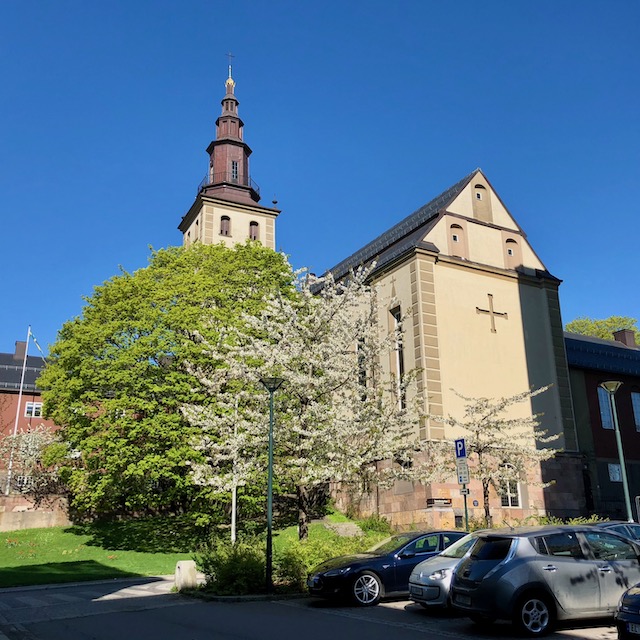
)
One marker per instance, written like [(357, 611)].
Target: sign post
[(462, 469)]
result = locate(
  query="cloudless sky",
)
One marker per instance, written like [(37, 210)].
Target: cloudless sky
[(358, 113)]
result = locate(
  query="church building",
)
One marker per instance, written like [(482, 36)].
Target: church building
[(480, 317)]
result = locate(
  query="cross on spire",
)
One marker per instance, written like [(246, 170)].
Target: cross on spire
[(229, 58), (492, 314)]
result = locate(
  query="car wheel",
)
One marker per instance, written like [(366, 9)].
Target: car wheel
[(534, 615), (367, 589)]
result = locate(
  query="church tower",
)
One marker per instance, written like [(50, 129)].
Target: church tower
[(226, 207)]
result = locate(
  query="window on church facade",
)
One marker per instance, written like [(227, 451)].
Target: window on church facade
[(635, 403), (606, 417), (396, 316), (234, 170), (225, 226), (253, 230)]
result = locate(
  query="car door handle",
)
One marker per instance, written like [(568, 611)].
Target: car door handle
[(605, 569), (550, 567)]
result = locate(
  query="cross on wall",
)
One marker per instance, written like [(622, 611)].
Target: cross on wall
[(492, 313)]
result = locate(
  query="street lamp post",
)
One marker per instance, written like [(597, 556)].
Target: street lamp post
[(611, 387), (272, 385)]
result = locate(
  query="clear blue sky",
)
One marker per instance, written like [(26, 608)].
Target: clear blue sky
[(358, 113)]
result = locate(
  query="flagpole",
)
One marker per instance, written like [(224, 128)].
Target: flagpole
[(15, 426)]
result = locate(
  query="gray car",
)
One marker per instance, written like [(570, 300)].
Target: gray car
[(430, 580), (534, 576)]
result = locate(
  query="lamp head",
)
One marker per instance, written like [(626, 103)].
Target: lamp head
[(272, 384), (611, 386)]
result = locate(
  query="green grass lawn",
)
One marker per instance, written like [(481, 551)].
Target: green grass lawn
[(93, 552), (124, 549)]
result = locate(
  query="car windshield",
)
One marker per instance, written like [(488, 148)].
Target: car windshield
[(391, 544), (459, 548)]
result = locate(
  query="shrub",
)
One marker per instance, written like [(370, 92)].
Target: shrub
[(294, 562), (376, 522), (233, 569)]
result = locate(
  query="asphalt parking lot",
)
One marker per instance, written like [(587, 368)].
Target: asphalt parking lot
[(447, 624), (148, 608)]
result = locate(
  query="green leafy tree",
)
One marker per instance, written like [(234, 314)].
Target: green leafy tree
[(603, 328), (500, 447), (116, 380)]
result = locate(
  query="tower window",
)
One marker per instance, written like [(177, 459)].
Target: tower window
[(454, 237), (234, 170), (478, 195), (225, 226), (509, 252), (253, 230)]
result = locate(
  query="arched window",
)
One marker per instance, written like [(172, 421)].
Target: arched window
[(482, 203), (512, 254), (458, 242), (225, 226), (253, 230)]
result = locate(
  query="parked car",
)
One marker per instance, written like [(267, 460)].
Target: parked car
[(629, 530), (382, 571), (429, 581), (534, 576), (627, 616)]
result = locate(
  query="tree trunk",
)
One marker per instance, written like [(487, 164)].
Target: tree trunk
[(303, 512), (487, 510)]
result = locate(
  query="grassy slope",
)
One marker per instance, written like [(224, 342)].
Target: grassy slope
[(115, 550)]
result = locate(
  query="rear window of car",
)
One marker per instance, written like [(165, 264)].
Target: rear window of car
[(491, 548)]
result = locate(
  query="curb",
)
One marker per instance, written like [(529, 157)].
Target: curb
[(62, 585), (258, 597)]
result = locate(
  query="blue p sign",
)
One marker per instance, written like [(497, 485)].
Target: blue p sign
[(461, 449)]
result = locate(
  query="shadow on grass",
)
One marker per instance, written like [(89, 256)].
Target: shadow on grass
[(58, 573), (152, 535)]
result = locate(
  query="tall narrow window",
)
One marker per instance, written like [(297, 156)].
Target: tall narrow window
[(399, 353), (225, 226), (234, 171), (635, 403), (253, 230), (605, 408), (509, 494)]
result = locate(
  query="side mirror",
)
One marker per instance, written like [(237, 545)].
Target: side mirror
[(407, 554)]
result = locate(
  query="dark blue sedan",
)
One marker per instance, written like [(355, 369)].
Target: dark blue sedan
[(380, 572)]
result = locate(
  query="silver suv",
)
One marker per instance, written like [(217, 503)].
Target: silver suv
[(534, 576)]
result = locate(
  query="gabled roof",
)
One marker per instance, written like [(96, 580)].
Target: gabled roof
[(405, 235), (11, 372), (610, 356)]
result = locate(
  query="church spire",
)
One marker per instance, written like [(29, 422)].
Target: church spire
[(228, 176)]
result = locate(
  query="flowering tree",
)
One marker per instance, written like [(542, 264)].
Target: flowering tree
[(504, 447), (338, 415)]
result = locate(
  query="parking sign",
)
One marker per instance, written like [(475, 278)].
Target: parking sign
[(461, 449)]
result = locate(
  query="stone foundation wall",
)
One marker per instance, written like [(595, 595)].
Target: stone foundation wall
[(16, 512)]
